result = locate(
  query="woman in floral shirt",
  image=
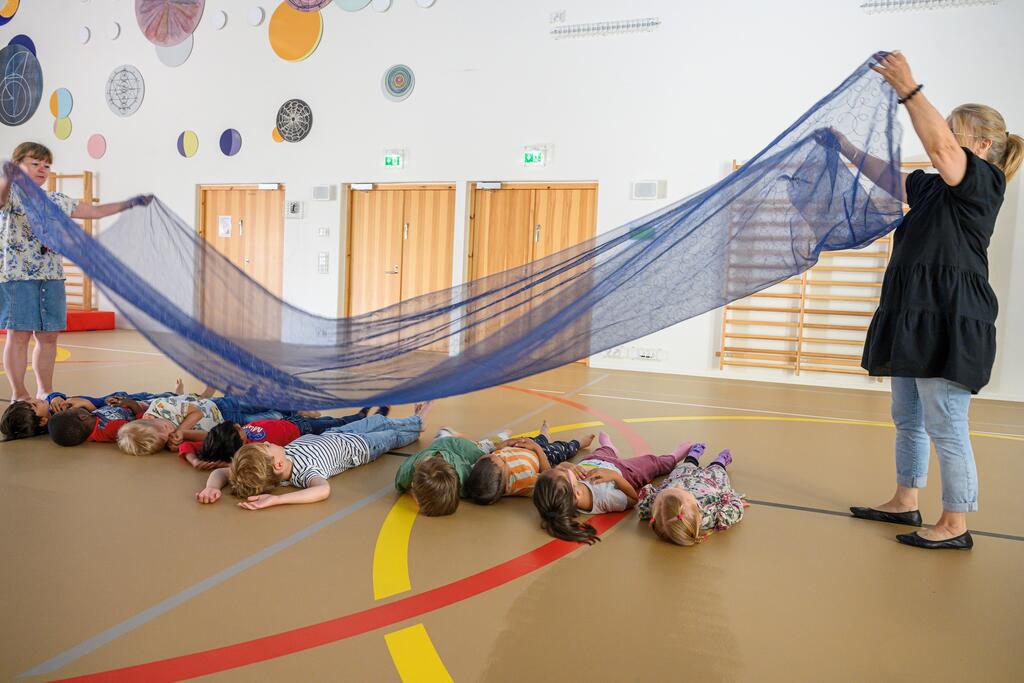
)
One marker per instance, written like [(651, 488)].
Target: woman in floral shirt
[(32, 299), (692, 501)]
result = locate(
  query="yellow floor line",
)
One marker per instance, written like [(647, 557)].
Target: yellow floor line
[(391, 554), (415, 657)]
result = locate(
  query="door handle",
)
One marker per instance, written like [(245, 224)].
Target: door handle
[(393, 271), (536, 233), (405, 231), (241, 227)]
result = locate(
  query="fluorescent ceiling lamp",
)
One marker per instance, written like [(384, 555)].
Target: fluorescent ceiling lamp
[(606, 28), (879, 6)]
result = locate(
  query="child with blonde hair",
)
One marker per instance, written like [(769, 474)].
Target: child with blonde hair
[(692, 501)]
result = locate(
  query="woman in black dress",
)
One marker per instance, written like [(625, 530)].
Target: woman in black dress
[(934, 331)]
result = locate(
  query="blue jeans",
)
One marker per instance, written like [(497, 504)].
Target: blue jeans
[(243, 412), (384, 434), (319, 425), (935, 409)]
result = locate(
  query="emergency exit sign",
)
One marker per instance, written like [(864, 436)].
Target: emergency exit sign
[(394, 158), (535, 156)]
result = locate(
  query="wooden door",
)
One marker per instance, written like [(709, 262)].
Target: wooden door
[(245, 225), (427, 244), (502, 231), (375, 250), (563, 218)]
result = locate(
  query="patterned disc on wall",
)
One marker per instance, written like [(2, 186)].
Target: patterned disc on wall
[(125, 90), (21, 85), (398, 82), (7, 10), (294, 120), (230, 142), (308, 5), (168, 22)]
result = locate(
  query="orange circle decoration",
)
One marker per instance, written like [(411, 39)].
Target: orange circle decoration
[(294, 35), (7, 10), (276, 134)]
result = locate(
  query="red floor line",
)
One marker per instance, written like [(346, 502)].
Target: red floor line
[(289, 642)]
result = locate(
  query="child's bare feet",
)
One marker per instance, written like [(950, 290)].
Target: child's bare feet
[(207, 392), (179, 387), (308, 413), (586, 441), (422, 408)]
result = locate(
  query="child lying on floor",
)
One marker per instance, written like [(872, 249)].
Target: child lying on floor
[(435, 476), (309, 461), (32, 417), (692, 501), (170, 421), (513, 468), (224, 440), (601, 483)]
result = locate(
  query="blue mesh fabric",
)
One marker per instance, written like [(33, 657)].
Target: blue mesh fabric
[(764, 223)]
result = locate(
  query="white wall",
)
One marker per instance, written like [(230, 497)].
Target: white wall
[(716, 81)]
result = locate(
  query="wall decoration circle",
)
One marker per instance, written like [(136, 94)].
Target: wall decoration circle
[(125, 90), (230, 142), (276, 135), (21, 85), (188, 143), (351, 5), (7, 10), (24, 41), (175, 55), (309, 5), (62, 128), (294, 120), (61, 103), (380, 5), (97, 146), (425, 3), (398, 82), (219, 19), (256, 16), (294, 35), (114, 31), (84, 34), (168, 22)]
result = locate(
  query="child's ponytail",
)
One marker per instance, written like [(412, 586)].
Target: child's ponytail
[(554, 501)]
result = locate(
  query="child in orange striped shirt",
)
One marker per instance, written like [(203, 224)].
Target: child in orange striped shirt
[(512, 469)]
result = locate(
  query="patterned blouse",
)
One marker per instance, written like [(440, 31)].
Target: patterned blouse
[(720, 505), (22, 255)]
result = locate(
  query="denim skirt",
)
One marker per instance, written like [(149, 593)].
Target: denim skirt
[(36, 305)]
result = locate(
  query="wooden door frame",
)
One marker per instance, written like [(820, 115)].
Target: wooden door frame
[(348, 190), (201, 189)]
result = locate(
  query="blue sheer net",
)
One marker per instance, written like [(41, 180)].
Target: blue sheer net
[(760, 225)]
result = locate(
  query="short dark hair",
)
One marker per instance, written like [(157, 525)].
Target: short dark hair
[(221, 443), (20, 421), (485, 485), (435, 483), (69, 428)]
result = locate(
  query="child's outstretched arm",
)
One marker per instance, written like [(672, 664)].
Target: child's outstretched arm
[(189, 452), (211, 494), (318, 489)]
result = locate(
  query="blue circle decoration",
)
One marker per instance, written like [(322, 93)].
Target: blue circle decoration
[(398, 82), (24, 41), (230, 142), (21, 85)]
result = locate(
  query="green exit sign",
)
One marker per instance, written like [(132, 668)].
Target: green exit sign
[(394, 159), (534, 157)]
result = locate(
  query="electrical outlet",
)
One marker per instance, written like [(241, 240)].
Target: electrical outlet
[(323, 232), (322, 263)]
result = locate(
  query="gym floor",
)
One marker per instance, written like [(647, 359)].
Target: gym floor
[(112, 571)]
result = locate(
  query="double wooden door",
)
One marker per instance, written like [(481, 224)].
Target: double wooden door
[(517, 224), (245, 226)]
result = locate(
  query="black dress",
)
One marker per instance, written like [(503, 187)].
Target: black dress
[(937, 313)]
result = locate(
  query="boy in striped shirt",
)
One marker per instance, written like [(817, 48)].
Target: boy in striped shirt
[(513, 468), (309, 461)]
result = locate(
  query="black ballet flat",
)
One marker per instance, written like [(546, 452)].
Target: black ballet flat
[(961, 542), (912, 518)]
